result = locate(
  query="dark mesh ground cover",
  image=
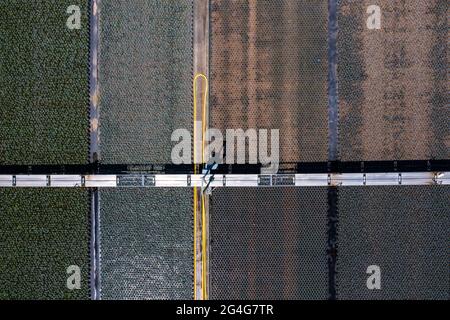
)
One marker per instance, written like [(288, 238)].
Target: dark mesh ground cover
[(41, 235), (145, 77), (268, 243), (146, 244), (44, 95), (392, 83), (268, 69), (405, 231)]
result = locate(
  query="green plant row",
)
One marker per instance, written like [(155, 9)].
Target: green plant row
[(44, 83)]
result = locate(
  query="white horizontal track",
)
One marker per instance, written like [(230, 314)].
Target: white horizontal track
[(227, 180)]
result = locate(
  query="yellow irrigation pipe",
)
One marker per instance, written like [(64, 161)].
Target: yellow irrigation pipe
[(204, 248), (199, 75), (195, 242)]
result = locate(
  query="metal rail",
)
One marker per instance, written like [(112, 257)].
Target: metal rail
[(225, 180)]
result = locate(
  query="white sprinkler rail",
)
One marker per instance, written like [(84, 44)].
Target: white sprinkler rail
[(226, 180)]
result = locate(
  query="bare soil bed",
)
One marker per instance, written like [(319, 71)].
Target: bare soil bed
[(268, 69)]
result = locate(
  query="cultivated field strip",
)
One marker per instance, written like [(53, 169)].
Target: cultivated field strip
[(272, 243), (44, 83), (402, 230), (393, 86), (268, 70), (43, 232), (268, 243), (146, 244), (145, 78), (44, 120)]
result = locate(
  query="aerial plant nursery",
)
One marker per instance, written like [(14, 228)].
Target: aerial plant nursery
[(224, 150)]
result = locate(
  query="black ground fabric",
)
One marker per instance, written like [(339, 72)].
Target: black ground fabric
[(43, 232), (145, 76), (146, 244), (405, 231), (268, 243)]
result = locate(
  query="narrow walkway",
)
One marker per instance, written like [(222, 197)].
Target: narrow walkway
[(201, 201), (94, 155), (333, 107)]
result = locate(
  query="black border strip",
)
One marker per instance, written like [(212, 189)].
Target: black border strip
[(332, 236), (299, 167), (95, 245)]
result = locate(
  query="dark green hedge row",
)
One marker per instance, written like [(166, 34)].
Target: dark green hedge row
[(44, 83)]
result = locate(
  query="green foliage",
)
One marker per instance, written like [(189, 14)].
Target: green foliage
[(44, 83), (43, 232)]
